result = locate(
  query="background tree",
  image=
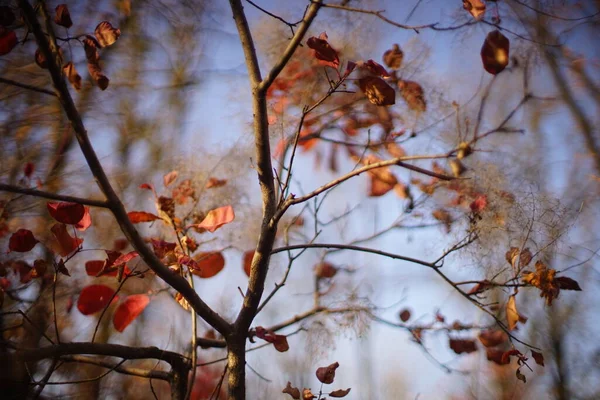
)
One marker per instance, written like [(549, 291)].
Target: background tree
[(449, 165)]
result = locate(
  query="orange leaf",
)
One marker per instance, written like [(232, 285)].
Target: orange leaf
[(94, 298), (72, 75), (86, 221), (22, 241), (215, 183), (65, 212), (106, 33), (248, 256), (475, 7), (393, 57), (129, 310), (217, 218), (208, 265), (141, 216), (413, 94)]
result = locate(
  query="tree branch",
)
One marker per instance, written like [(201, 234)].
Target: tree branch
[(26, 86), (142, 373), (53, 196)]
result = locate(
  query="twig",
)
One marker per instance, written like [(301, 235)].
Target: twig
[(26, 86), (53, 196)]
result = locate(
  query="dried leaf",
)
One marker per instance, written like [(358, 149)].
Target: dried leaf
[(339, 393), (106, 33), (538, 357), (495, 52), (404, 315), (475, 7), (512, 315), (215, 183), (63, 16), (90, 45), (567, 283), (96, 73), (170, 178), (327, 374), (292, 391), (307, 394), (323, 51), (520, 376), (544, 279), (377, 91), (8, 41), (493, 337), (375, 68), (413, 94), (495, 355), (182, 301), (525, 258), (325, 270), (279, 341), (129, 310), (460, 346), (393, 58), (22, 241), (443, 216), (479, 204)]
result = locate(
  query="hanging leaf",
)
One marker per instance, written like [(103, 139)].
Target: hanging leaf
[(64, 244), (393, 57), (327, 374), (215, 183), (493, 337), (106, 33), (248, 256), (86, 221), (413, 94), (162, 248), (475, 7), (495, 355), (182, 302), (63, 16), (208, 264), (217, 218), (375, 68), (495, 52), (141, 216), (129, 310), (323, 50), (91, 46), (96, 73), (8, 41), (279, 341), (307, 394), (22, 241), (65, 212), (170, 178), (567, 283), (325, 270), (538, 357), (94, 298), (512, 315), (377, 91), (72, 75)]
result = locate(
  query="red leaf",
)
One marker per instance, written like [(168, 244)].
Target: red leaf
[(28, 169), (141, 216), (64, 244), (507, 354), (479, 204), (162, 248), (327, 374), (93, 268), (404, 315), (63, 17), (125, 258), (208, 264), (495, 52), (350, 66), (323, 50), (129, 310), (8, 41), (279, 341), (170, 178), (248, 256), (85, 222), (65, 212), (22, 241), (148, 186), (325, 270), (217, 218), (94, 298)]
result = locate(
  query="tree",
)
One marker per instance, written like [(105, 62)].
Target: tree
[(311, 97)]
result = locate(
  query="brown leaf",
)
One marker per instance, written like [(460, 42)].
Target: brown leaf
[(40, 59), (170, 178), (339, 393), (106, 33), (460, 346), (525, 258), (544, 279), (327, 374), (495, 355), (215, 183), (292, 391), (512, 315), (511, 256), (520, 376), (377, 91), (480, 287), (413, 94), (323, 50), (91, 45), (72, 75), (393, 57), (495, 52), (567, 283), (97, 75), (538, 357), (493, 337), (443, 216), (63, 16), (475, 7), (325, 270), (307, 394), (404, 315)]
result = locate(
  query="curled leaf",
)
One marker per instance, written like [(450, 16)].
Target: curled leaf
[(512, 315), (106, 33), (475, 7), (63, 16), (97, 75), (292, 391), (413, 94), (327, 374), (91, 46), (393, 57), (323, 50), (339, 393), (377, 91), (72, 75), (64, 244)]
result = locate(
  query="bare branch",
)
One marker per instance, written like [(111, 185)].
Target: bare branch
[(26, 86), (52, 196)]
